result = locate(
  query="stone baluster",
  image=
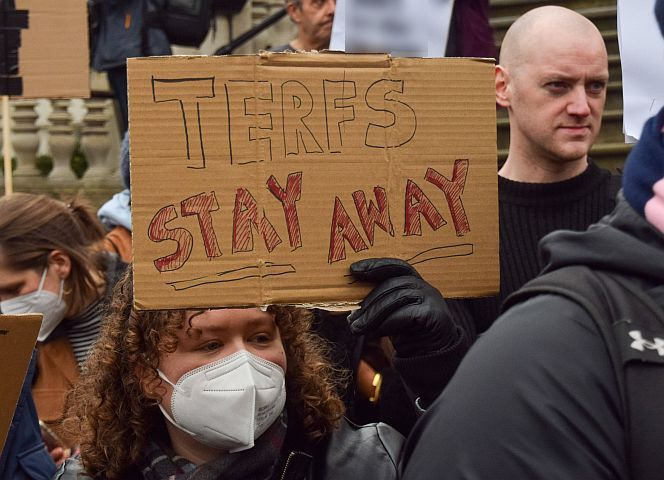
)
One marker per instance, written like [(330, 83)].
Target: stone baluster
[(62, 143), (25, 141), (95, 143)]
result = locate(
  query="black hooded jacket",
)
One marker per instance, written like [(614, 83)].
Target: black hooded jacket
[(536, 397)]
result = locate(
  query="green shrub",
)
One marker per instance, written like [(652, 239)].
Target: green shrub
[(79, 163), (44, 164)]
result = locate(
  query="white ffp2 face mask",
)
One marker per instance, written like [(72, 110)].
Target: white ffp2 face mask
[(50, 305), (229, 403)]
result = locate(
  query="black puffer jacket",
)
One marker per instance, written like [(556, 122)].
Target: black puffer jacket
[(351, 452), (536, 396)]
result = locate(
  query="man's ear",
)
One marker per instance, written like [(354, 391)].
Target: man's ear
[(60, 263), (294, 12), (502, 86)]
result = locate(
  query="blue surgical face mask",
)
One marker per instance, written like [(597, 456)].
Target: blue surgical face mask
[(50, 305)]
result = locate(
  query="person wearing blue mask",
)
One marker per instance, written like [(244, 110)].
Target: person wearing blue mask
[(51, 262)]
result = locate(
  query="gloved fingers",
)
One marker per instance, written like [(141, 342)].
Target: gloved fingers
[(396, 320), (378, 269), (372, 314), (383, 289)]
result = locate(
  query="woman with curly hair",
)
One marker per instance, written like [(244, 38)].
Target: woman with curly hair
[(234, 393)]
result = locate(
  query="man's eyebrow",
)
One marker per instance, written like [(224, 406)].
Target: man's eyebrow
[(556, 76)]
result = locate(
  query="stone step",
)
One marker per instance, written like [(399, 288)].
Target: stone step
[(615, 70), (614, 95), (610, 39), (504, 12), (611, 156), (513, 7)]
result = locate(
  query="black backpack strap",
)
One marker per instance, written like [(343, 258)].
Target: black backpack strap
[(642, 346), (632, 326), (615, 184)]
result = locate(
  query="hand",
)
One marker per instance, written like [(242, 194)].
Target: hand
[(402, 306), (59, 455)]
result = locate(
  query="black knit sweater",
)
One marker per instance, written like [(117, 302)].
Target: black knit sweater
[(528, 211)]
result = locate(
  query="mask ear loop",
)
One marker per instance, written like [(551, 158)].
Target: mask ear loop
[(62, 290), (175, 387), (43, 279)]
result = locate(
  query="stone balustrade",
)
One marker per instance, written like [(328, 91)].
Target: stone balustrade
[(50, 132), (45, 133)]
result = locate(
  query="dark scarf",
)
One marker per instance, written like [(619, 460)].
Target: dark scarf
[(257, 463)]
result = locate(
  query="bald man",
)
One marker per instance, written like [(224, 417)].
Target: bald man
[(552, 80), (567, 384)]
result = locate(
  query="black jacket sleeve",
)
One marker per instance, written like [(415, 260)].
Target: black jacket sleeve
[(427, 375), (535, 398)]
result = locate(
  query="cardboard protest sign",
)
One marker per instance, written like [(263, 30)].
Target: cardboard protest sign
[(47, 43), (18, 334), (260, 179)]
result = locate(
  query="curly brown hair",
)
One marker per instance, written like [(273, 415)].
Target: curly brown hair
[(113, 410)]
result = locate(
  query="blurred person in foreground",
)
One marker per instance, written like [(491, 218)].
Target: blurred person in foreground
[(211, 394)]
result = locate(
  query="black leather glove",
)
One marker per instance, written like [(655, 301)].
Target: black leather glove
[(402, 306)]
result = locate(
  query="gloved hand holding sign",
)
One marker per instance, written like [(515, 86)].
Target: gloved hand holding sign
[(402, 306)]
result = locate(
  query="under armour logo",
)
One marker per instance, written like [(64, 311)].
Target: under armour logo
[(641, 344)]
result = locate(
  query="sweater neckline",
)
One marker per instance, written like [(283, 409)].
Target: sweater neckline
[(551, 194)]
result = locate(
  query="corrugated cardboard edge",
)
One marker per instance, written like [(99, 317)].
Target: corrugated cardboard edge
[(23, 372)]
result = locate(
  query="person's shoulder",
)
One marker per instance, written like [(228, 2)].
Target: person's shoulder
[(546, 318), (604, 176), (363, 451), (542, 367), (72, 469)]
